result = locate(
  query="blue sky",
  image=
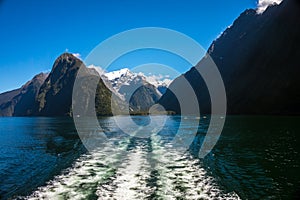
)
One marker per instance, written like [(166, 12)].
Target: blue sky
[(34, 33)]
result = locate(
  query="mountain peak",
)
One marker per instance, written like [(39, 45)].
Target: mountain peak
[(66, 59), (117, 74), (66, 55), (41, 76), (258, 59)]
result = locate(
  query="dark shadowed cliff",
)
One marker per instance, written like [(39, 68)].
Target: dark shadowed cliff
[(55, 95), (20, 102), (51, 94), (258, 58)]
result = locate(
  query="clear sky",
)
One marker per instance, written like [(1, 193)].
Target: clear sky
[(34, 33)]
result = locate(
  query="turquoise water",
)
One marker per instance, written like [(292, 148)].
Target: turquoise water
[(255, 158)]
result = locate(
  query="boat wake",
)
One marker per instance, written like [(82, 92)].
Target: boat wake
[(137, 169)]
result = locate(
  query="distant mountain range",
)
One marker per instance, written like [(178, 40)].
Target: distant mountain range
[(119, 79), (258, 58), (139, 90), (51, 94)]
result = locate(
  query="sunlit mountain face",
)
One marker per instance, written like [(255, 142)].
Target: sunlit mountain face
[(119, 78)]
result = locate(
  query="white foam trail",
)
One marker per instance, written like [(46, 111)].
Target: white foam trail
[(130, 182), (82, 179), (182, 178), (171, 174)]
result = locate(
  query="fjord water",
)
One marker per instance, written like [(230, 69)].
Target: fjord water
[(255, 158)]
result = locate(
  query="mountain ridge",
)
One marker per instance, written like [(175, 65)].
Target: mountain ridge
[(53, 92), (19, 102), (257, 57), (258, 60)]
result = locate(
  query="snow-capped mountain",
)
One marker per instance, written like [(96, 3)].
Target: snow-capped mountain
[(160, 82), (120, 79), (118, 74), (125, 82), (139, 90), (124, 75)]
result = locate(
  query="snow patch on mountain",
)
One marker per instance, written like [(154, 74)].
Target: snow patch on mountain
[(122, 81), (158, 80), (262, 5), (118, 74)]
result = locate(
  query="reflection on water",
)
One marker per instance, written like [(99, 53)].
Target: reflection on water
[(255, 158)]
